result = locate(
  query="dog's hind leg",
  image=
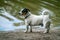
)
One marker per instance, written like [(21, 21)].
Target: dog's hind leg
[(47, 27)]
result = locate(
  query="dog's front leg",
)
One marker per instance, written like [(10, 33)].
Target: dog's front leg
[(27, 26), (30, 28)]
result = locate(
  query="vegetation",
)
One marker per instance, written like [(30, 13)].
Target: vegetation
[(13, 7)]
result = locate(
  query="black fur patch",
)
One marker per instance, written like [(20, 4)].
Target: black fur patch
[(25, 10)]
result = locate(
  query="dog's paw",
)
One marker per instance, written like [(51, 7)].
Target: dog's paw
[(45, 32), (26, 31)]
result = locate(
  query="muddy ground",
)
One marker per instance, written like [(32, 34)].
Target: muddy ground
[(17, 35)]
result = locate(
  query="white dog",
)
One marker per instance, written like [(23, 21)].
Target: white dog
[(34, 20)]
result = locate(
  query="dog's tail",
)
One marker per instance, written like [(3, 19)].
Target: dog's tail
[(46, 12)]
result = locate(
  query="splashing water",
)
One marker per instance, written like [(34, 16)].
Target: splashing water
[(6, 25)]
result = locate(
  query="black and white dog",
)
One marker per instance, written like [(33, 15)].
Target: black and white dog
[(34, 20)]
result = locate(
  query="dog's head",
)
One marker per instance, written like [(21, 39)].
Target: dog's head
[(24, 11)]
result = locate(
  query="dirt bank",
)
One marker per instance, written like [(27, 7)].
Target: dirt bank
[(53, 35)]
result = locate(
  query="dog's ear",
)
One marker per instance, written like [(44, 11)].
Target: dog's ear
[(25, 10), (28, 10)]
